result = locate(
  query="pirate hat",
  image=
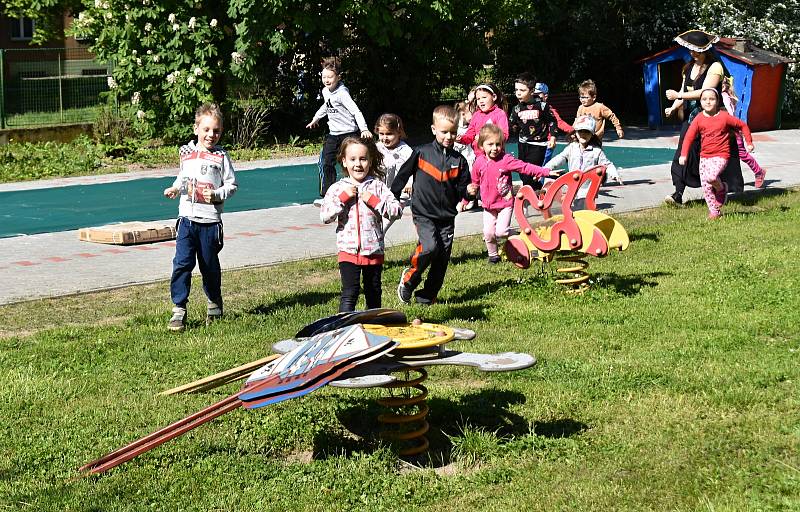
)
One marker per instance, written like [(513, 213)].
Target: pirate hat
[(696, 40)]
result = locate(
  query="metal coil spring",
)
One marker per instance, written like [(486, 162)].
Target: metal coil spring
[(576, 271), (406, 424)]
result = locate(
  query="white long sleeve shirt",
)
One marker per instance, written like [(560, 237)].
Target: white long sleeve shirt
[(344, 116), (203, 170)]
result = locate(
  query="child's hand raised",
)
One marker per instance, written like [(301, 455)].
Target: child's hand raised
[(366, 134), (350, 191), (171, 192)]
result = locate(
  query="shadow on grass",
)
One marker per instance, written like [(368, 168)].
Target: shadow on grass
[(313, 298), (480, 291), (753, 197), (630, 285), (486, 410), (559, 429), (652, 237)]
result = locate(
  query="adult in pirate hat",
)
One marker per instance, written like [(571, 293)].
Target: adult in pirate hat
[(704, 70)]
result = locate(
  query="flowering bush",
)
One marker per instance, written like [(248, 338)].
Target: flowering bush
[(169, 57)]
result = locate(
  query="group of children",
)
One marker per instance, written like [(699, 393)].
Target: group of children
[(466, 160)]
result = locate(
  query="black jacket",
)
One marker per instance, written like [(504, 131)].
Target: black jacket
[(533, 122), (441, 176)]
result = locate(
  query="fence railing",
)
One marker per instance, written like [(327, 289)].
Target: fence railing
[(49, 86)]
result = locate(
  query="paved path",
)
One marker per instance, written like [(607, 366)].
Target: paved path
[(54, 264)]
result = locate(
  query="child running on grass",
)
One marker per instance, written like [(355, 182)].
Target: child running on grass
[(441, 177), (205, 180), (491, 174), (582, 154), (730, 101), (714, 127), (344, 120), (358, 202)]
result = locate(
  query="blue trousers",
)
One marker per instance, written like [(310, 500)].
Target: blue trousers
[(198, 242)]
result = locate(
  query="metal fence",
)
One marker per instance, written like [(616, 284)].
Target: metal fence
[(47, 86)]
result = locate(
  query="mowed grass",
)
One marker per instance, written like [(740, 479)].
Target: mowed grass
[(672, 384)]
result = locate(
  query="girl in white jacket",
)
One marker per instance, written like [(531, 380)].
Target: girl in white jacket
[(358, 203)]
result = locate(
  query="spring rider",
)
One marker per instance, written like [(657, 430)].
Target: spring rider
[(567, 237)]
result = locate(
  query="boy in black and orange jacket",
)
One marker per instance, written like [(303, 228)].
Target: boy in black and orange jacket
[(441, 177)]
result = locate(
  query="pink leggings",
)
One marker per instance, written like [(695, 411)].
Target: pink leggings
[(746, 157), (713, 189), (495, 225)]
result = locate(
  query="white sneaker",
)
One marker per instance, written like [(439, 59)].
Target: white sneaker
[(318, 202)]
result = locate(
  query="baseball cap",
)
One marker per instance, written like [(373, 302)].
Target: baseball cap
[(584, 123), (541, 88)]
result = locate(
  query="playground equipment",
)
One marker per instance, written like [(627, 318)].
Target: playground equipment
[(355, 350), (568, 237)]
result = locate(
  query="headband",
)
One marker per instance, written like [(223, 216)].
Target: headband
[(486, 87)]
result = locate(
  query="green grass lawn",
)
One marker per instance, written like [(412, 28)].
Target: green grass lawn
[(671, 385)]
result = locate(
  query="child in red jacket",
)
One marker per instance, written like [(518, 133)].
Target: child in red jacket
[(714, 126)]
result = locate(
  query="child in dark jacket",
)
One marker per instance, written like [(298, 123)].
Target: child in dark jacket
[(441, 177)]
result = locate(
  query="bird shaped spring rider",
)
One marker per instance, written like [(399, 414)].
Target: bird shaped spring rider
[(372, 348), (569, 237)]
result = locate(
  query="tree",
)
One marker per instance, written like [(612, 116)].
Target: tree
[(45, 13)]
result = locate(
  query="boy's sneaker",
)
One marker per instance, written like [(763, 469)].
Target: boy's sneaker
[(178, 321), (760, 178), (317, 202), (674, 199), (493, 260), (213, 313), (403, 291)]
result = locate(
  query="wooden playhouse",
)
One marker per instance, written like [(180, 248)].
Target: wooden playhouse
[(759, 78)]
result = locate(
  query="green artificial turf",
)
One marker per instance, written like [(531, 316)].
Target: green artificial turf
[(672, 384)]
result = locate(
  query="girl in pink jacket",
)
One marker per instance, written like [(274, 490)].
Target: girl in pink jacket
[(491, 173), (358, 203), (491, 110)]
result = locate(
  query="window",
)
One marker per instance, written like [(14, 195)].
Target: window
[(22, 29)]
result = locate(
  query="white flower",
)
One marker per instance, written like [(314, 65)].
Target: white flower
[(81, 16), (98, 3), (140, 114), (198, 71), (112, 84), (149, 52), (108, 15), (105, 5), (191, 79), (213, 23), (237, 58), (171, 17), (133, 52), (145, 2), (192, 22), (148, 27), (136, 98), (173, 76), (156, 58), (138, 61), (175, 27)]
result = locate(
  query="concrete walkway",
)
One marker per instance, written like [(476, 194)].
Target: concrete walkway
[(54, 264)]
